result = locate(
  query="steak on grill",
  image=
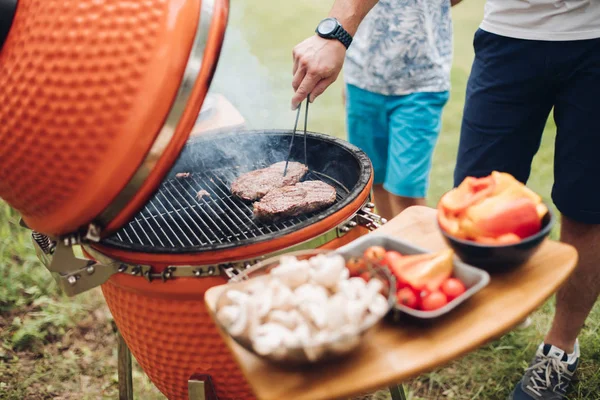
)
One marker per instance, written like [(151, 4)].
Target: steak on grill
[(255, 184), (290, 201)]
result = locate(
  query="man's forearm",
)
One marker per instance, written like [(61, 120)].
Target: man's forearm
[(350, 13)]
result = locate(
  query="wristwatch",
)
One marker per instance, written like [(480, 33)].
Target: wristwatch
[(330, 28)]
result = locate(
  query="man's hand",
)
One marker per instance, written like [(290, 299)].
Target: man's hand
[(317, 64), (318, 61)]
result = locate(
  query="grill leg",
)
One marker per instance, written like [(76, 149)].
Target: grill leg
[(200, 387), (397, 392), (124, 369)]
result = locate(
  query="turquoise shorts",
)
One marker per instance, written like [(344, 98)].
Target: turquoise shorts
[(398, 133)]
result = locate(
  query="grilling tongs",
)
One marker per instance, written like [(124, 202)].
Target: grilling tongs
[(287, 160)]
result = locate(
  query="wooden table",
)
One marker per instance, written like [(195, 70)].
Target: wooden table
[(397, 352)]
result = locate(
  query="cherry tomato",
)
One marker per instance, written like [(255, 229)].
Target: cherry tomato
[(401, 284), (356, 266), (374, 254), (390, 257), (421, 294), (453, 288), (433, 301), (407, 298)]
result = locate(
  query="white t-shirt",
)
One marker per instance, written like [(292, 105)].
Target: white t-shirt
[(552, 20)]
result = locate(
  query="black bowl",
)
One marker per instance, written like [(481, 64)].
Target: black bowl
[(500, 258)]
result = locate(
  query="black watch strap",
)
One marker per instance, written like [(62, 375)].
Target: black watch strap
[(343, 36)]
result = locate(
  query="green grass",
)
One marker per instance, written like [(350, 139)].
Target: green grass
[(52, 347)]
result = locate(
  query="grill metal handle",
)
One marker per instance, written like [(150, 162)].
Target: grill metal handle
[(365, 217)]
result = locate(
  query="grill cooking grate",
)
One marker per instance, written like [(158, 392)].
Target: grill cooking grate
[(176, 219)]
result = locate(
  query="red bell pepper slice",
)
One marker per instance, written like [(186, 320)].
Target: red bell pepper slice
[(499, 215), (424, 271), (469, 192)]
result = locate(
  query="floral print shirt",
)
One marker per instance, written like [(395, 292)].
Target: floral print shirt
[(402, 47)]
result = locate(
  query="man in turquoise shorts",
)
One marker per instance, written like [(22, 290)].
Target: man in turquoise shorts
[(397, 73)]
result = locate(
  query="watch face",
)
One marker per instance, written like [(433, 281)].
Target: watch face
[(327, 26)]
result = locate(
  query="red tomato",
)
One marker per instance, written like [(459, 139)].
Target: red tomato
[(401, 284), (407, 298), (453, 288), (433, 301), (390, 257), (356, 266), (421, 294), (374, 254)]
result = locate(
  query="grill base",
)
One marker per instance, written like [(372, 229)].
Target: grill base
[(172, 336)]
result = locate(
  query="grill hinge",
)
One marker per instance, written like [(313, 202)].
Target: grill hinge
[(73, 275), (91, 235)]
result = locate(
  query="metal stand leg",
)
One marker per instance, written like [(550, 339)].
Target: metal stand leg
[(397, 392), (200, 387), (124, 368)]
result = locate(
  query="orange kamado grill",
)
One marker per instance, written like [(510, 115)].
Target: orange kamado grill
[(99, 99)]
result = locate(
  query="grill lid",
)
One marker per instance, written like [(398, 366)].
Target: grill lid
[(97, 103)]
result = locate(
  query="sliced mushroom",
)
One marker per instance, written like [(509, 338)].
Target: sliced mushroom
[(268, 340), (292, 272), (326, 270), (379, 306), (310, 293)]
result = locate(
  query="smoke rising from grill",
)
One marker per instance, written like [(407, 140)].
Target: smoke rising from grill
[(249, 85)]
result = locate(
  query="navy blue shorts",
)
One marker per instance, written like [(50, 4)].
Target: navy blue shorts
[(514, 84)]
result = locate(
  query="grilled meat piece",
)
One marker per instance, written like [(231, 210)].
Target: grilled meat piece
[(201, 194), (181, 175), (289, 201), (255, 184)]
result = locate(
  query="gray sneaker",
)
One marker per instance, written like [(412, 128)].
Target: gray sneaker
[(549, 375)]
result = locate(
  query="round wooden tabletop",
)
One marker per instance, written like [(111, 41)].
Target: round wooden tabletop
[(403, 350)]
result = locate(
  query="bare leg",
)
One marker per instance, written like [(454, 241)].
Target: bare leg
[(382, 202), (575, 299), (401, 203), (389, 205)]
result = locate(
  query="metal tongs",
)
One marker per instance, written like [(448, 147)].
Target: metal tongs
[(287, 160)]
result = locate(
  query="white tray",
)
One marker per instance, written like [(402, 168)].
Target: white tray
[(474, 279)]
